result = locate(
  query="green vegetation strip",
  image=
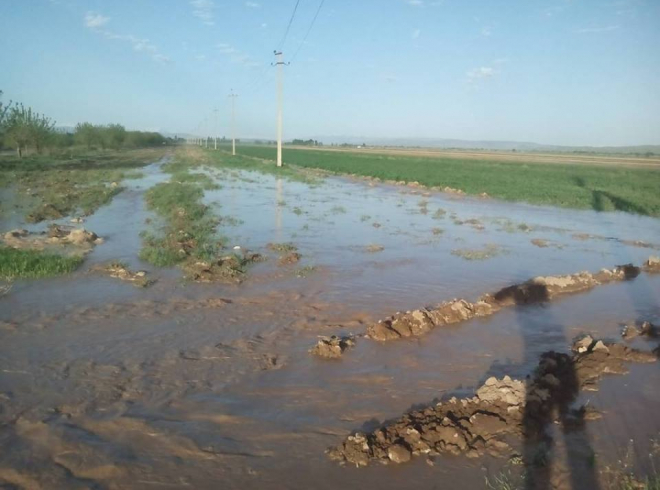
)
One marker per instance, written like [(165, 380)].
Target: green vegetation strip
[(52, 187), (15, 264), (601, 188), (189, 229)]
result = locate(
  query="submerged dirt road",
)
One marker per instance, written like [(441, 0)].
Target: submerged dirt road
[(187, 385)]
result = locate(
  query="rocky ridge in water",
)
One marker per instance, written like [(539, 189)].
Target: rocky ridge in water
[(500, 409)]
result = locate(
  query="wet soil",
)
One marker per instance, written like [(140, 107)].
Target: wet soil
[(186, 384)]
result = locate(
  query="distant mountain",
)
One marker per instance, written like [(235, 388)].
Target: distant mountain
[(484, 145)]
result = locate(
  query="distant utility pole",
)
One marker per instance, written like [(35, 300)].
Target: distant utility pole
[(233, 122), (215, 129), (279, 64)]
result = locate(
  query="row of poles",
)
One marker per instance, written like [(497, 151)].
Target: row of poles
[(204, 142)]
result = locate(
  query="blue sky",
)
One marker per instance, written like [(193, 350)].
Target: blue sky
[(551, 71)]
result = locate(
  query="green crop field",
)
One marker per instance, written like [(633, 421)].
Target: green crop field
[(603, 188)]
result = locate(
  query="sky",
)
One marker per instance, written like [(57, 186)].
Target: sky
[(566, 72)]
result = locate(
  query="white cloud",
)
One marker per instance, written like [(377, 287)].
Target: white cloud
[(225, 48), (94, 21), (486, 31), (588, 30), (482, 73), (415, 34), (252, 5), (203, 10), (236, 56), (415, 3)]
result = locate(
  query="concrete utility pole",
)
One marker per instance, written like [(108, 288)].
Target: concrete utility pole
[(215, 129), (279, 64), (233, 122)]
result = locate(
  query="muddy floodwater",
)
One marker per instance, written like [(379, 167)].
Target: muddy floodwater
[(187, 385)]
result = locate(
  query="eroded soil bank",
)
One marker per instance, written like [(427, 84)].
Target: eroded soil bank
[(196, 385)]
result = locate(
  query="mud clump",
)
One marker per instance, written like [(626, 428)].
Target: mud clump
[(55, 236), (646, 329), (418, 322), (282, 247), (652, 264), (230, 268), (374, 248), (289, 258), (332, 347), (539, 242), (536, 290), (288, 253), (45, 212), (595, 358), (121, 271), (500, 409)]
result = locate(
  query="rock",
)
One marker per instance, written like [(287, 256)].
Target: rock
[(381, 331), (646, 329), (600, 346), (652, 264), (583, 344), (332, 347), (506, 391), (399, 453)]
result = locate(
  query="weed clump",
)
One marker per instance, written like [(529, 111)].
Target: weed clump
[(488, 252), (30, 264)]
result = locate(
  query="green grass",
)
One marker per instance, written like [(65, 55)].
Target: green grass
[(602, 188), (15, 264), (189, 226), (65, 184)]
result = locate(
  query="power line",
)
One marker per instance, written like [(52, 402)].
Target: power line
[(308, 30), (286, 33)]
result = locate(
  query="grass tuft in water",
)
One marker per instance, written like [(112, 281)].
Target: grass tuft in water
[(31, 264)]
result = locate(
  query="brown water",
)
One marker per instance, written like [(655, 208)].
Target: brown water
[(103, 385)]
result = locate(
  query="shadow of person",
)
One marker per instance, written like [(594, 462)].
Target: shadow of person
[(549, 405)]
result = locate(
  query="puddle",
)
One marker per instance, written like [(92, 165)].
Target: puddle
[(184, 384)]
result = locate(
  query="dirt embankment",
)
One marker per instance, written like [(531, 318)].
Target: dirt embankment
[(539, 289), (499, 410)]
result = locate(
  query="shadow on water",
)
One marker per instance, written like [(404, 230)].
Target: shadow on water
[(538, 444)]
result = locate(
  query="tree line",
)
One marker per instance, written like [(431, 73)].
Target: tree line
[(22, 128)]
